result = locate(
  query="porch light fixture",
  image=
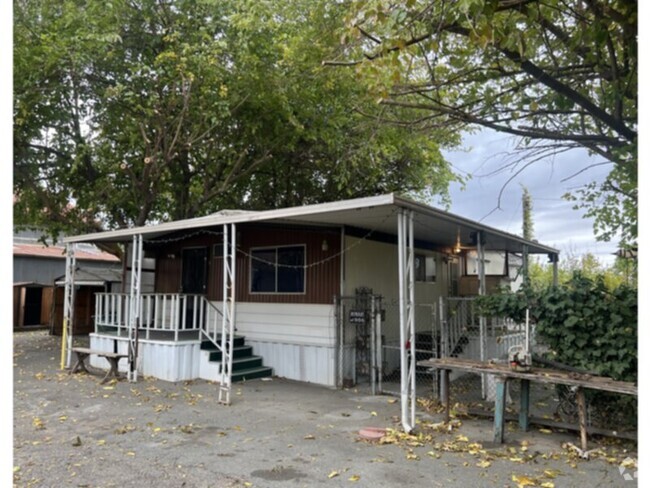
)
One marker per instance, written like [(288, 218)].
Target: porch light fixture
[(456, 249), (325, 246)]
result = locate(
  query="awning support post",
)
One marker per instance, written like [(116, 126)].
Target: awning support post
[(229, 310), (406, 276), (68, 306), (134, 307), (480, 249)]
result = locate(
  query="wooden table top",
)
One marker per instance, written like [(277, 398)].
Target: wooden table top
[(541, 375)]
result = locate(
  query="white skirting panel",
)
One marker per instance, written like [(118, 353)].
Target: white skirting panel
[(166, 360), (312, 364)]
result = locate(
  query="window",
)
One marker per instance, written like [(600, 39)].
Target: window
[(278, 270), (425, 268), (495, 263)]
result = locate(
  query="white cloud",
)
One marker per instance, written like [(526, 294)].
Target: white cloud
[(555, 221)]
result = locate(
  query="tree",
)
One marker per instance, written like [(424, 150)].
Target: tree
[(145, 110), (527, 214), (559, 74)]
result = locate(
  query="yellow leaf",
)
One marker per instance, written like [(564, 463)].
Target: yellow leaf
[(484, 463), (248, 483), (333, 474), (392, 400), (63, 418), (101, 442), (16, 469), (546, 431), (309, 437), (130, 453), (548, 484), (109, 388), (516, 459), (522, 481), (373, 414), (551, 473), (462, 438), (354, 477)]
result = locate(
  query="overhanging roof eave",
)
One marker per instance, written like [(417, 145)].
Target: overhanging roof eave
[(533, 246)]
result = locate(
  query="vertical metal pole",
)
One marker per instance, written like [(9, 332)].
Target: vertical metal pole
[(373, 345), (134, 307), (482, 320), (379, 347), (411, 313), (406, 299), (68, 307), (555, 259), (525, 268), (229, 310)]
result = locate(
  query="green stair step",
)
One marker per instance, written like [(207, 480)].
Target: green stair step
[(252, 373), (237, 352), (246, 363), (209, 346)]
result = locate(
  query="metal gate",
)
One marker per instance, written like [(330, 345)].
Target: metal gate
[(464, 333), (358, 320), (427, 346)]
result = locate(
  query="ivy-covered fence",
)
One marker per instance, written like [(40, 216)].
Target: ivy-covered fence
[(585, 325)]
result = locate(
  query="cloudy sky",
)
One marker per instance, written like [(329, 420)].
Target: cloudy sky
[(555, 222)]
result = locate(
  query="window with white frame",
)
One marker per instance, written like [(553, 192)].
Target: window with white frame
[(495, 263), (278, 269)]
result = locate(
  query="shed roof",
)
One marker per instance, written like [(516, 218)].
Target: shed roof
[(92, 277), (58, 252), (377, 213)]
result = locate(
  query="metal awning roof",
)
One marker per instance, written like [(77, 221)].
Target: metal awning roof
[(378, 213), (92, 277)]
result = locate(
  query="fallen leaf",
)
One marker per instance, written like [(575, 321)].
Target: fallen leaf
[(546, 431), (522, 481), (309, 437), (130, 453), (392, 400), (333, 474), (354, 477), (484, 463), (373, 414), (551, 473), (462, 438), (547, 484)]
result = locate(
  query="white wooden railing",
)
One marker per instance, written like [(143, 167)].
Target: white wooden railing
[(160, 312)]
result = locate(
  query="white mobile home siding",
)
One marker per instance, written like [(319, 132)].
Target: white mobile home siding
[(297, 340)]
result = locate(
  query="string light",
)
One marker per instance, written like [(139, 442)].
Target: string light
[(292, 266)]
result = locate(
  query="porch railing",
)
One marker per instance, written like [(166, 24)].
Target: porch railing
[(160, 312)]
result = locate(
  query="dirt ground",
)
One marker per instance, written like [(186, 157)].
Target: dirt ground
[(71, 431)]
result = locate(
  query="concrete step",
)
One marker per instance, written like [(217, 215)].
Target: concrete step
[(251, 374)]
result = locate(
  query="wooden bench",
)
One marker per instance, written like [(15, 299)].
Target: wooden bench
[(502, 373), (112, 357)]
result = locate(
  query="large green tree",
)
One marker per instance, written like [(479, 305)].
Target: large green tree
[(136, 111), (560, 74)]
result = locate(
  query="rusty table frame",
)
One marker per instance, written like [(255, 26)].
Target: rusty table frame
[(503, 373)]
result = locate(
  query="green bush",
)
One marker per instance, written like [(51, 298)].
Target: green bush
[(586, 325)]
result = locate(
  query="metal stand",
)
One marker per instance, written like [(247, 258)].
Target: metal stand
[(68, 306), (228, 324), (406, 316), (134, 307)]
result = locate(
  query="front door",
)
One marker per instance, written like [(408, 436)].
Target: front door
[(194, 278)]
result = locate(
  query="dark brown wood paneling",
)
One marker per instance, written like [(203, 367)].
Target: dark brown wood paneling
[(46, 304), (322, 281), (322, 278)]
